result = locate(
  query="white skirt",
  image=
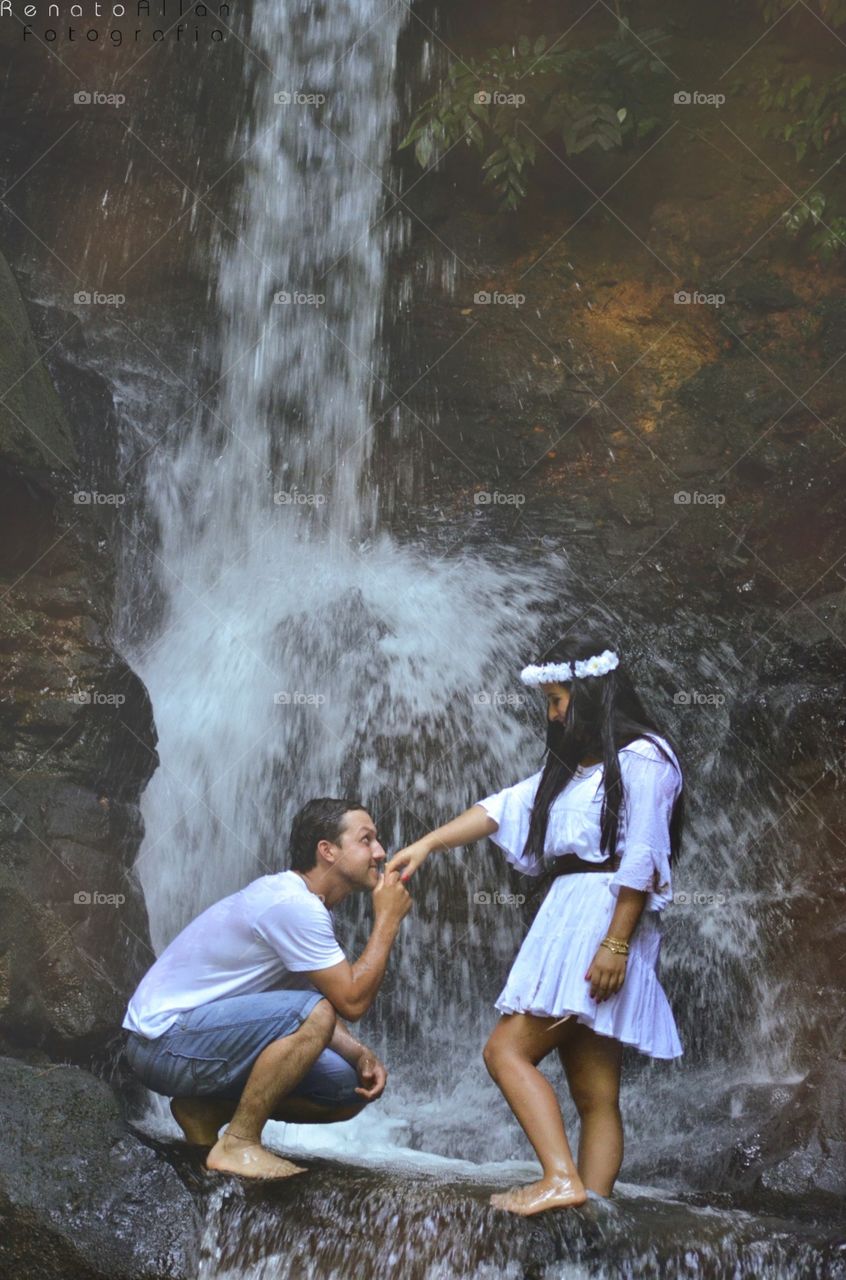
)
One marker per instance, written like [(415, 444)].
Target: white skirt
[(548, 977)]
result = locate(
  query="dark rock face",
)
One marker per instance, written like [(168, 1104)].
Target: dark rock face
[(76, 730), (802, 1147), (79, 1195)]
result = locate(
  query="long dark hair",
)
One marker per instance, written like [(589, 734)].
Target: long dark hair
[(605, 714)]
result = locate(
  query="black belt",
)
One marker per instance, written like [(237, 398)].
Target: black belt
[(568, 864)]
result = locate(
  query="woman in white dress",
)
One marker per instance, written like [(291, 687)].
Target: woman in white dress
[(602, 821)]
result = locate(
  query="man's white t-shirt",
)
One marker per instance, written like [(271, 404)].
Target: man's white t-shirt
[(260, 938)]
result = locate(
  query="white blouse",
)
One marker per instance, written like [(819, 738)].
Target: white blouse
[(651, 786)]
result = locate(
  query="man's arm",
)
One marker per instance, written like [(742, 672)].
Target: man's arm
[(351, 988), (344, 1043), (371, 1072)]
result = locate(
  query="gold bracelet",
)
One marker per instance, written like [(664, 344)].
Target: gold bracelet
[(614, 947)]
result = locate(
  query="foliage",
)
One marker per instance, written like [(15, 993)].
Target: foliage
[(824, 236), (831, 11), (516, 98), (817, 111), (810, 116)]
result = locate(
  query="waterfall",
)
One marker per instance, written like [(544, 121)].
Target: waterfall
[(303, 628), (299, 647)]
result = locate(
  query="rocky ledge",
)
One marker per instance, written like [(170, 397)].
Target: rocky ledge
[(77, 742)]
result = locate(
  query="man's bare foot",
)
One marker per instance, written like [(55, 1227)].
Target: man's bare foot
[(557, 1192), (248, 1159), (200, 1119)]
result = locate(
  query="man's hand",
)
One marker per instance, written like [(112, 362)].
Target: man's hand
[(606, 974), (372, 1075), (408, 860), (391, 899)]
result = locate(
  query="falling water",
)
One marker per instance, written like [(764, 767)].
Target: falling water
[(302, 649)]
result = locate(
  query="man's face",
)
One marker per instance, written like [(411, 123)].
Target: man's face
[(358, 853)]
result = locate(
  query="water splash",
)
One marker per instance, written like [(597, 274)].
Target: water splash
[(302, 650)]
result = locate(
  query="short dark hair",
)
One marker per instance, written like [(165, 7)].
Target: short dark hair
[(321, 819)]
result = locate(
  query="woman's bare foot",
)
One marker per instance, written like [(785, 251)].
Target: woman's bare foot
[(248, 1159), (554, 1192), (200, 1119)]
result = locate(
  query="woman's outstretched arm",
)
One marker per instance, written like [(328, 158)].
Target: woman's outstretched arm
[(471, 825)]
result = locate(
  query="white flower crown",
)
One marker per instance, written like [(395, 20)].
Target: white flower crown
[(558, 672)]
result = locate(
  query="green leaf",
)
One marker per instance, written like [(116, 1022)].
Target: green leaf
[(424, 151), (499, 154)]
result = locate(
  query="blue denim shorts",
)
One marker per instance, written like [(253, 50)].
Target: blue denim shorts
[(209, 1051)]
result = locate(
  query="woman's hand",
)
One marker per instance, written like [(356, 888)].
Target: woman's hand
[(606, 974), (473, 824), (409, 859)]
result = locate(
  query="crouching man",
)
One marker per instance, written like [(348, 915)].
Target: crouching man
[(239, 1019)]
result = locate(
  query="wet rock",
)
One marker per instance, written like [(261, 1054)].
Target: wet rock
[(802, 1148), (339, 1221), (684, 231), (80, 1196), (734, 393), (800, 682), (77, 741), (765, 291), (832, 313)]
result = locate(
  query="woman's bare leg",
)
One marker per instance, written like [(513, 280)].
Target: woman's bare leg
[(517, 1044), (592, 1064)]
